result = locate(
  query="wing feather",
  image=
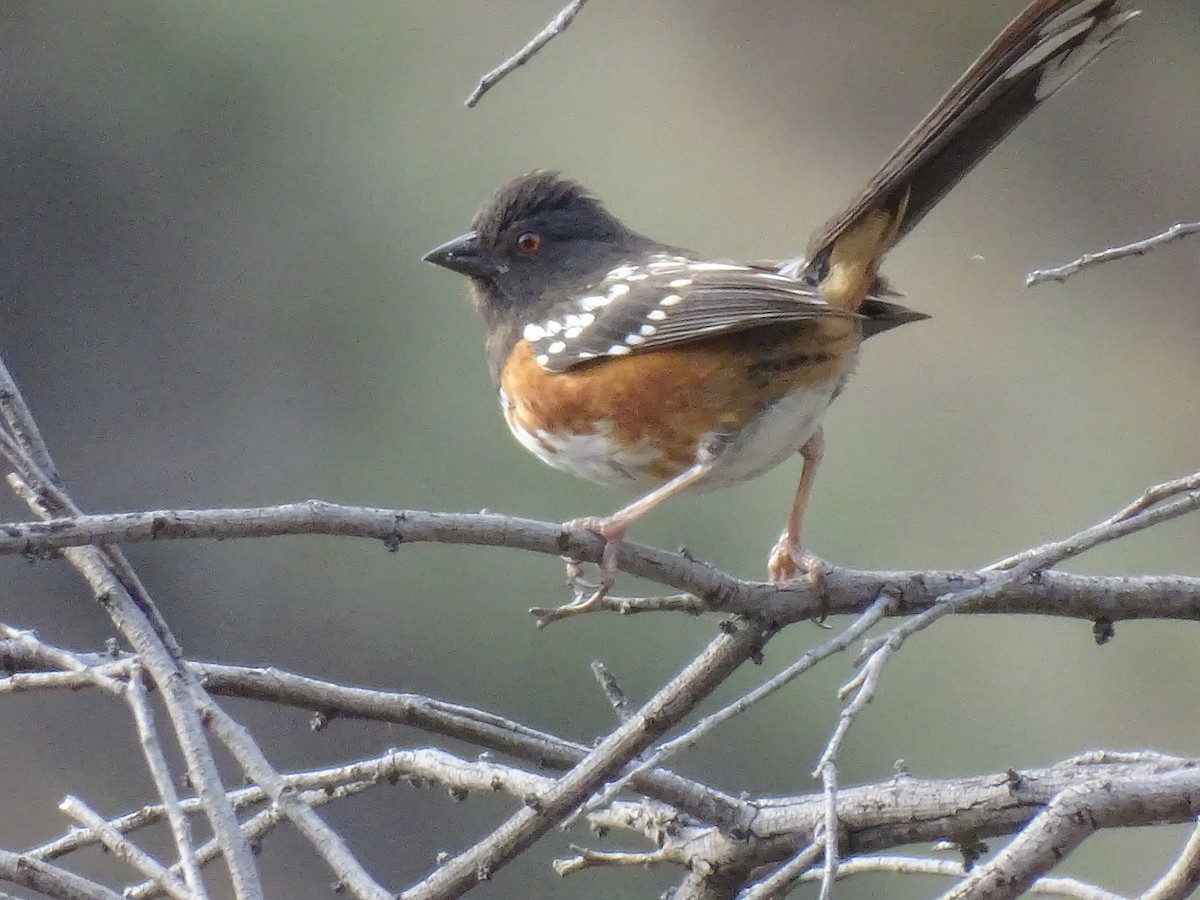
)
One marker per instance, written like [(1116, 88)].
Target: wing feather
[(669, 300)]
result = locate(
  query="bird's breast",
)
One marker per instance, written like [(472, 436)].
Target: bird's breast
[(639, 420)]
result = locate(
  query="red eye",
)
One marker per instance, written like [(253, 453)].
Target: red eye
[(529, 243)]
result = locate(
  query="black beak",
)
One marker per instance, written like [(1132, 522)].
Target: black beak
[(465, 256)]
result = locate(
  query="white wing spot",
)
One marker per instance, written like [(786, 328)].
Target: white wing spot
[(617, 350), (593, 302), (647, 330), (680, 283), (618, 290), (533, 333), (585, 354), (670, 300), (662, 261), (586, 319), (553, 327), (638, 276), (634, 339), (656, 315), (620, 272), (543, 359), (573, 332), (556, 347), (713, 267), (792, 268)]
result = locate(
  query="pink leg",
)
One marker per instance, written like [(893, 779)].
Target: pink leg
[(788, 557), (612, 528)]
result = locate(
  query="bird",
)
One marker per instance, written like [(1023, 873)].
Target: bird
[(641, 365)]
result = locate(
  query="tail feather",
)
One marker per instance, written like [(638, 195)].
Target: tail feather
[(1037, 54)]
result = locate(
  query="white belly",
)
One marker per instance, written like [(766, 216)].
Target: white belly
[(595, 456), (774, 436)]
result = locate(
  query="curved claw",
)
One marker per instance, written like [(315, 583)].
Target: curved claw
[(789, 561)]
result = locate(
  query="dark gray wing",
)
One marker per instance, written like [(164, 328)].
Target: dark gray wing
[(668, 300)]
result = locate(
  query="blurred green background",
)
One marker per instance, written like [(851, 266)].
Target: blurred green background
[(211, 222)]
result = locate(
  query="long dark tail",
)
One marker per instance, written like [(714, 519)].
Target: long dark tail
[(1040, 51)]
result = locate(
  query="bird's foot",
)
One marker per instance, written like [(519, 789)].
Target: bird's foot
[(588, 595), (791, 562)]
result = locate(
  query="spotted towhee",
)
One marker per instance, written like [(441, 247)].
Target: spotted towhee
[(638, 364)]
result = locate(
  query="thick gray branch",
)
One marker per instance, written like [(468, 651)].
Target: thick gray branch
[(846, 591)]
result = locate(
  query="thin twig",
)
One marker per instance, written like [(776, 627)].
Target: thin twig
[(625, 606), (829, 830), (1158, 504), (613, 692), (255, 828), (313, 783), (50, 880), (712, 721), (112, 582), (483, 729), (29, 642), (327, 842), (24, 427), (553, 29), (1069, 819), (1182, 879), (586, 858), (907, 865), (160, 773), (781, 880), (1137, 248), (674, 701), (124, 849)]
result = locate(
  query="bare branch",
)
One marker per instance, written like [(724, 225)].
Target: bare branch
[(709, 723), (782, 879), (903, 811), (1155, 505), (908, 810), (175, 684), (586, 858), (1137, 248), (844, 591), (117, 589), (475, 726), (553, 29), (255, 828), (317, 787), (613, 691), (661, 712), (327, 842), (26, 643), (829, 829), (52, 881), (24, 427), (124, 849), (1070, 818), (907, 865), (160, 772), (1182, 879)]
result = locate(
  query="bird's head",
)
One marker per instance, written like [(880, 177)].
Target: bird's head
[(539, 237)]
